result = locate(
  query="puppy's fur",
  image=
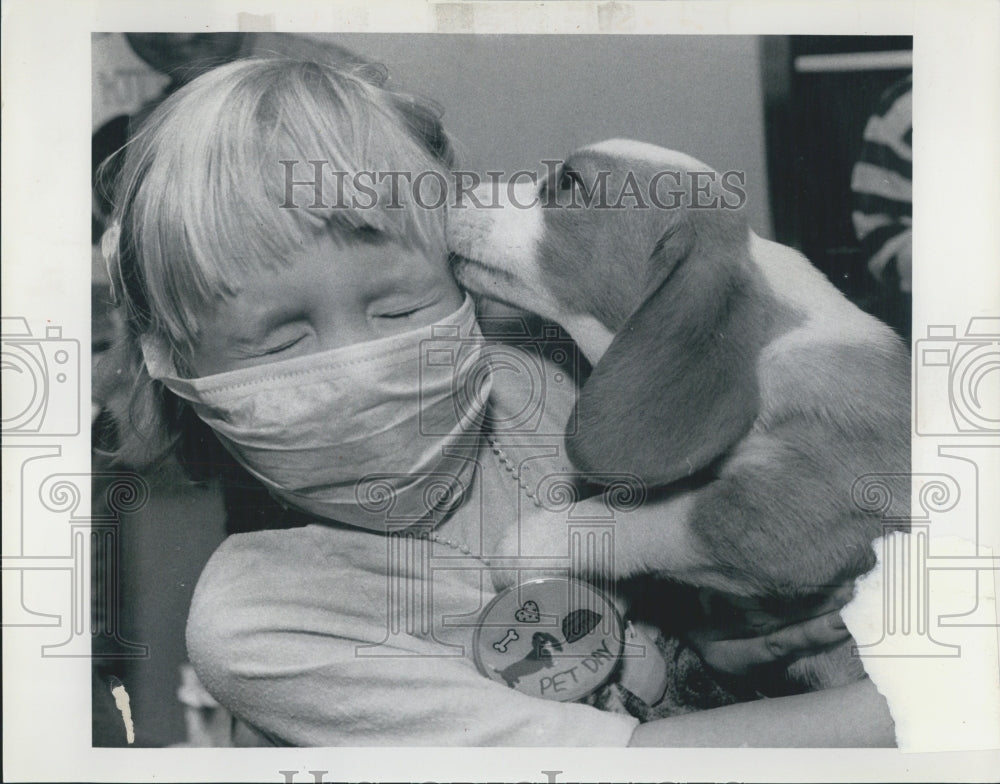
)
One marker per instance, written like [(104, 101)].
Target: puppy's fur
[(728, 372)]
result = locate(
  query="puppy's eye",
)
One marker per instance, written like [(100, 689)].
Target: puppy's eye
[(568, 178)]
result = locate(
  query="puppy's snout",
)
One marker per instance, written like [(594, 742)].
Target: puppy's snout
[(494, 233), (519, 192), (475, 195), (496, 218)]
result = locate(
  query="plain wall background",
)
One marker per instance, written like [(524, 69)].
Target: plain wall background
[(511, 101)]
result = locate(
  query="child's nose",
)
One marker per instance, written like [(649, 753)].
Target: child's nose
[(339, 326), (334, 333)]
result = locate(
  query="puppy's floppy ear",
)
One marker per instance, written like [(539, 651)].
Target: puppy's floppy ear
[(677, 386)]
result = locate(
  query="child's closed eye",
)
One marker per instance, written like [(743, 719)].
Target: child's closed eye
[(280, 347), (284, 339), (405, 310), (401, 314)]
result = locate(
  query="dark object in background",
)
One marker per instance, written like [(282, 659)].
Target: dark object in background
[(104, 142), (107, 727), (185, 56), (816, 115), (882, 183)]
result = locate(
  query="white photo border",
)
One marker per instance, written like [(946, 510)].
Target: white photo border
[(46, 242)]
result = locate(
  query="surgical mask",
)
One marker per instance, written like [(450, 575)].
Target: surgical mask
[(371, 434)]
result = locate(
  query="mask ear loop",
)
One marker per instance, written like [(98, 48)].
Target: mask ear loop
[(157, 356), (109, 250)]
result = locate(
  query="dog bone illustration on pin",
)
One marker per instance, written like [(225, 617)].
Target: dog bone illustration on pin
[(501, 645), (528, 613)]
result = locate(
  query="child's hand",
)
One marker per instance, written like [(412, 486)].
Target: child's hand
[(725, 652)]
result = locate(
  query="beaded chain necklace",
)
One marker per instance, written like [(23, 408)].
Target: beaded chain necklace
[(509, 466)]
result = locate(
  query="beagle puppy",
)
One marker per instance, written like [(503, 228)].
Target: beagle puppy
[(727, 372)]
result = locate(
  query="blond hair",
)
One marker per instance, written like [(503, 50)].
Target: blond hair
[(201, 200)]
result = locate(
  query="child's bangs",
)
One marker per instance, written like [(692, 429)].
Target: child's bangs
[(331, 150), (264, 154), (365, 144)]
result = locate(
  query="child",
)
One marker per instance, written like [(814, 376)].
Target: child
[(303, 335)]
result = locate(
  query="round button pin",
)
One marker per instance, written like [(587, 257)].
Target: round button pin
[(553, 638)]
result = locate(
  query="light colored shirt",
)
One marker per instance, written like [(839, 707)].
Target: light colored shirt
[(326, 635)]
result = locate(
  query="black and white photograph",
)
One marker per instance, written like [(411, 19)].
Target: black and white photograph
[(542, 378)]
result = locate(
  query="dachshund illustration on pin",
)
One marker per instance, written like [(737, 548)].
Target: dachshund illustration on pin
[(539, 658)]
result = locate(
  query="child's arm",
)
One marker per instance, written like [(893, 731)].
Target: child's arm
[(852, 716), (274, 634)]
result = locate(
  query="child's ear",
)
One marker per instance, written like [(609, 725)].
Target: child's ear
[(677, 386)]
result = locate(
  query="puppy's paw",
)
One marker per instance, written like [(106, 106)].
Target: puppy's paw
[(546, 542)]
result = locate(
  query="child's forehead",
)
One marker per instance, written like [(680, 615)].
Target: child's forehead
[(364, 255), (359, 256)]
